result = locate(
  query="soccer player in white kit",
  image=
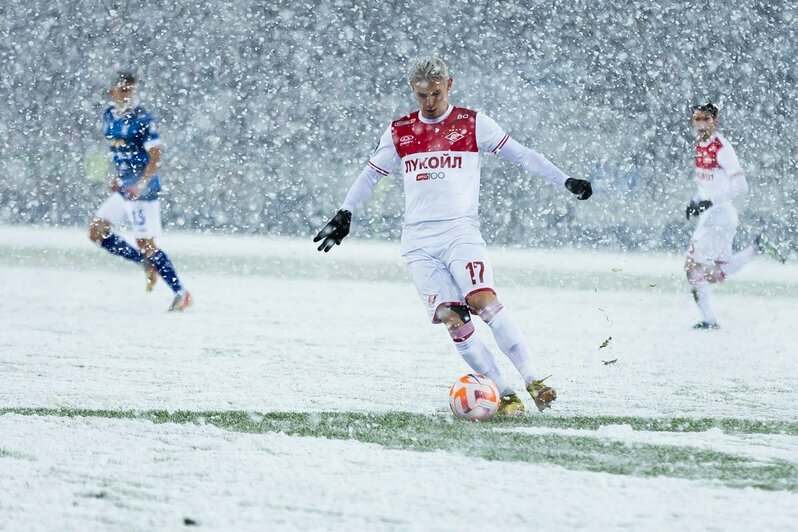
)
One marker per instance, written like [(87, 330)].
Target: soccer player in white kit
[(719, 179), (439, 149)]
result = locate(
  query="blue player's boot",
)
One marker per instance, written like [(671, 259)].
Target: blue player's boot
[(765, 246), (181, 301), (542, 395)]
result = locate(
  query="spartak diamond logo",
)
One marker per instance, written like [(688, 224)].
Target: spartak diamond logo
[(454, 136)]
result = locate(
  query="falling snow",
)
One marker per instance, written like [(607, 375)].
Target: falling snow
[(267, 112)]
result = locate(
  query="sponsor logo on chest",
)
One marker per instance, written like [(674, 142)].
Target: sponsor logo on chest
[(433, 162), (430, 168), (407, 139), (426, 176), (704, 176)]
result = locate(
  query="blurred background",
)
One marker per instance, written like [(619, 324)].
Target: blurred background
[(268, 111)]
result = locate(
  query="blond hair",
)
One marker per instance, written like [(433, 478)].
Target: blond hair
[(429, 69)]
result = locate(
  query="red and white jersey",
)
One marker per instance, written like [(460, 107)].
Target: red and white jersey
[(441, 161), (718, 173)]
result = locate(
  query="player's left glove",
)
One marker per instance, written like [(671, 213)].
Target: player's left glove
[(335, 230), (581, 187), (696, 208)]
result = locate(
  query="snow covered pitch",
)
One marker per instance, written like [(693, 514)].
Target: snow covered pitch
[(307, 391)]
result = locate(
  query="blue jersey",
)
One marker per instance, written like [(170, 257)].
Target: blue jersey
[(131, 134)]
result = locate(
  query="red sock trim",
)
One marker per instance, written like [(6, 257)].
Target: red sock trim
[(490, 310), (462, 333)]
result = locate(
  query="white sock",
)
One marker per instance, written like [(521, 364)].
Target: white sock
[(478, 356), (509, 339), (738, 260), (702, 299)]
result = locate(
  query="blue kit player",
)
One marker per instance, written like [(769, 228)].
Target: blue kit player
[(136, 152)]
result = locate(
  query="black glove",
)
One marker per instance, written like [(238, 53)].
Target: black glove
[(335, 230), (581, 187), (696, 208)]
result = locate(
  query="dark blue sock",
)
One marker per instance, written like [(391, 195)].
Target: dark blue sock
[(118, 246), (166, 270)]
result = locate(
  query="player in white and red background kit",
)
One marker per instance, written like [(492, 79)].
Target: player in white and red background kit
[(439, 149), (719, 179)]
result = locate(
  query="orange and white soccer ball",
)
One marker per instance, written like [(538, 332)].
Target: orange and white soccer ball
[(474, 397)]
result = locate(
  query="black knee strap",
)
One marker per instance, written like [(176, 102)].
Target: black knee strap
[(462, 311)]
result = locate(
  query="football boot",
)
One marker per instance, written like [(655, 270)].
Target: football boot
[(510, 405), (181, 301), (542, 395)]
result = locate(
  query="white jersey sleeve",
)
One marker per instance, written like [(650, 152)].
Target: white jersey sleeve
[(727, 159), (730, 164), (381, 163), (491, 137)]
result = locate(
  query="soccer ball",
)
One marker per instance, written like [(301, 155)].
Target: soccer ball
[(474, 397)]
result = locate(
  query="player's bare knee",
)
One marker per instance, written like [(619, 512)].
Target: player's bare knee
[(480, 300), (715, 273), (452, 316), (98, 230), (147, 246), (695, 276), (696, 272)]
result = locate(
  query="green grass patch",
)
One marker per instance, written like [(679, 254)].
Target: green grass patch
[(429, 433)]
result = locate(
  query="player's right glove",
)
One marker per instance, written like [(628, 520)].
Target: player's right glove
[(696, 208), (335, 230), (581, 187)]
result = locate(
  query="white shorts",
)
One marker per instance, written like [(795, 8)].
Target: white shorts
[(143, 216), (714, 235), (449, 273)]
